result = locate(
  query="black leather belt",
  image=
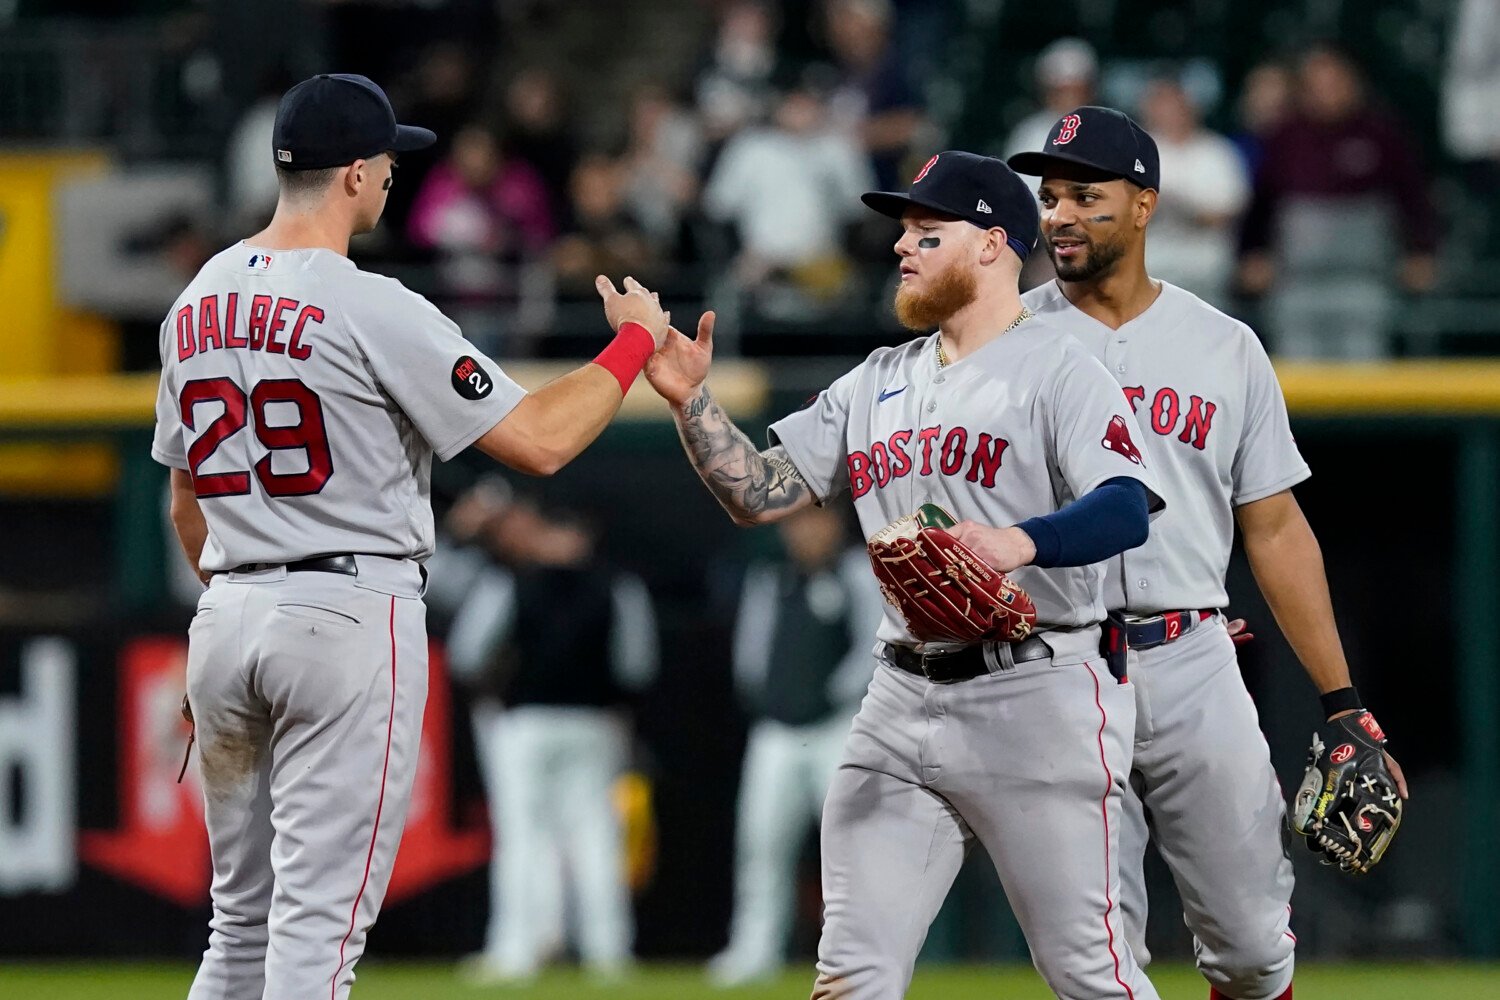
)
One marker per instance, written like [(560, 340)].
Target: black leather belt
[(342, 564), (961, 664), (1169, 626)]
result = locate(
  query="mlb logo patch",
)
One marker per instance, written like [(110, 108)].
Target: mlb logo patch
[(284, 155), (260, 261)]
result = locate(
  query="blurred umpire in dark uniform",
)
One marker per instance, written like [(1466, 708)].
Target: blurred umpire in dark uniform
[(802, 660), (557, 643)]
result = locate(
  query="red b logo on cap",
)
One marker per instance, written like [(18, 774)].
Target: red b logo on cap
[(923, 172), (1068, 130)]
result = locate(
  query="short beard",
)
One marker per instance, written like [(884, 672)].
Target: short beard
[(953, 290), (1102, 257)]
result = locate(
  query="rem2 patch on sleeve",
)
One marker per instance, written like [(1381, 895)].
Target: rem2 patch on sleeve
[(470, 380)]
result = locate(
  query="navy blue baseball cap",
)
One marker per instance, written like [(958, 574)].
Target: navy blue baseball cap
[(1102, 138), (977, 189), (334, 119)]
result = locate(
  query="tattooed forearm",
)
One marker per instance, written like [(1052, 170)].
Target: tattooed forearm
[(751, 485)]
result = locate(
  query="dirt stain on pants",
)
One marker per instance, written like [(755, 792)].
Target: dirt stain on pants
[(232, 753)]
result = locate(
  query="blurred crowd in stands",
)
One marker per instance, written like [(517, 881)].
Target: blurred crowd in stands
[(733, 180), (744, 181)]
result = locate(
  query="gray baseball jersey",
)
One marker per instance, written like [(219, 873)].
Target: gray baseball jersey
[(307, 398), (1214, 427), (1031, 759), (1020, 428)]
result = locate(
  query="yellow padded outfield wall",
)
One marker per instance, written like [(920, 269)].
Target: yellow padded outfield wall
[(1450, 387), (38, 336), (1447, 387)]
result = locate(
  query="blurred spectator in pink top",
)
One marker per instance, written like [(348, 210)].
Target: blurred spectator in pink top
[(442, 90), (487, 218), (479, 200)]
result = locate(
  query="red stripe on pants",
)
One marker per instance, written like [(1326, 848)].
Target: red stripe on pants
[(1104, 811), (390, 723)]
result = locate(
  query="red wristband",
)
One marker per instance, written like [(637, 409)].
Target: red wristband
[(627, 354)]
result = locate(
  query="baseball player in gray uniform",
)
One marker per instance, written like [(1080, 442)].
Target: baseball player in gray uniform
[(1023, 747), (301, 402), (1213, 426)]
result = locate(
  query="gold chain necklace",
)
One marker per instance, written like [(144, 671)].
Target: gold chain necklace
[(942, 355)]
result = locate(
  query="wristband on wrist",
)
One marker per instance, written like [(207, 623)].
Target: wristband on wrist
[(627, 354), (1344, 699)]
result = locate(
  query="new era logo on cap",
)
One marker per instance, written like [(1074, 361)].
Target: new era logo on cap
[(982, 207), (1140, 167)]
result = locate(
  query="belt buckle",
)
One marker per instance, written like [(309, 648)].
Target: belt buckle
[(1158, 626), (947, 651)]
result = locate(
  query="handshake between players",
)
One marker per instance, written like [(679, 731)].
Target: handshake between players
[(679, 366)]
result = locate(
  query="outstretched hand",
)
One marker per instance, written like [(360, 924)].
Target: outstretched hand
[(679, 368), (1005, 549), (637, 304)]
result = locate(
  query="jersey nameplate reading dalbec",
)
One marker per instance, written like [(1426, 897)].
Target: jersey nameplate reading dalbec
[(208, 328)]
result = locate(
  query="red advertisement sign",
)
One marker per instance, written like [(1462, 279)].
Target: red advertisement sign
[(161, 845)]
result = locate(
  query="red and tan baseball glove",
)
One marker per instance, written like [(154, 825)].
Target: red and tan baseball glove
[(945, 592)]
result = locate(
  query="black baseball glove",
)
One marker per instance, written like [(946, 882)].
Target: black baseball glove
[(1348, 806)]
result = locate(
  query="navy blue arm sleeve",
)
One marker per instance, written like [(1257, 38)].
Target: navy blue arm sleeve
[(1109, 520)]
